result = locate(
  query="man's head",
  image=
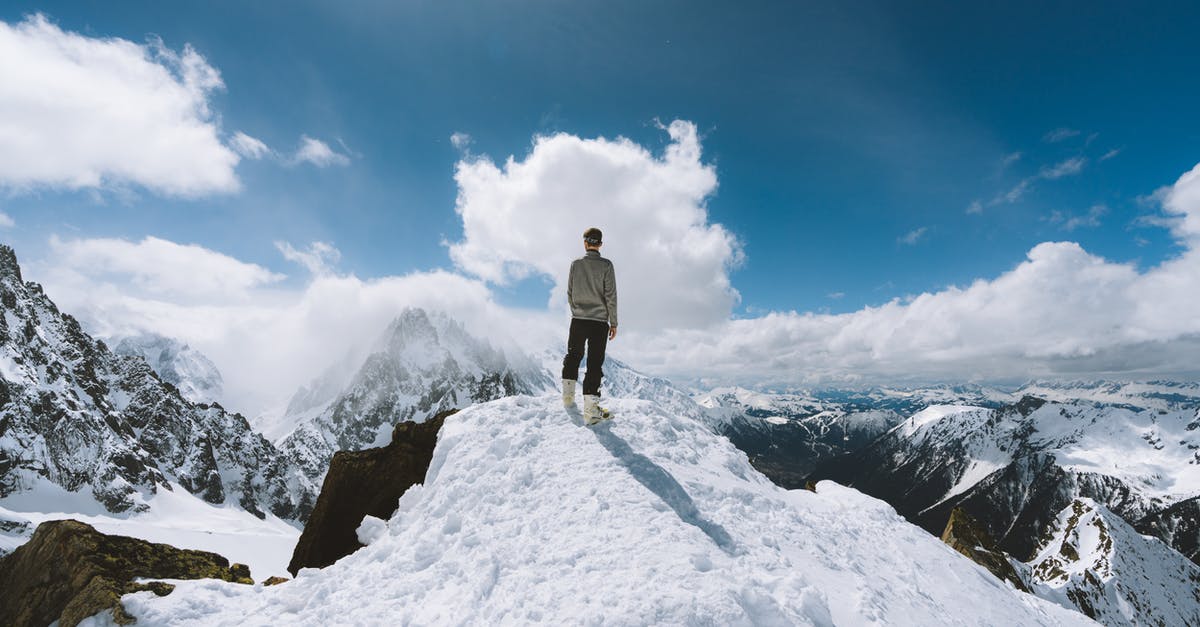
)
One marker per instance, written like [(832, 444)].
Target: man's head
[(593, 239)]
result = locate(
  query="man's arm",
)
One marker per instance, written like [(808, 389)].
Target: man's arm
[(570, 282), (610, 300)]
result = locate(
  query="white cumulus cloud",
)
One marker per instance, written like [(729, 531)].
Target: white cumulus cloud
[(526, 218), (6, 221), (161, 268), (83, 112), (912, 237), (318, 259), (460, 141), (318, 153), (249, 147)]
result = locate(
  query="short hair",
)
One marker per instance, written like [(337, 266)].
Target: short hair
[(593, 236)]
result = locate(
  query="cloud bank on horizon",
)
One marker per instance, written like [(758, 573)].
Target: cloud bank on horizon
[(1061, 312)]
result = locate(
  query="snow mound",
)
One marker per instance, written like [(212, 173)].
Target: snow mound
[(527, 516)]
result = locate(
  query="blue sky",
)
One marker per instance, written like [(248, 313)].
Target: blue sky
[(834, 130), (1022, 166)]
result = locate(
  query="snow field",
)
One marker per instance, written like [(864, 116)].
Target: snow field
[(175, 517), (528, 517)]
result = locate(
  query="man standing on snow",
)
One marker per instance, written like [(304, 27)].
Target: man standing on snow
[(592, 294)]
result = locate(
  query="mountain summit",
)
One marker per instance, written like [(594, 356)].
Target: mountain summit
[(527, 516), (184, 367), (424, 363)]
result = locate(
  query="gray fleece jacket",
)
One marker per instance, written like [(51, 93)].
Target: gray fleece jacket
[(592, 289)]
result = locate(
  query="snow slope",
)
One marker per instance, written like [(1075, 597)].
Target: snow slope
[(526, 516)]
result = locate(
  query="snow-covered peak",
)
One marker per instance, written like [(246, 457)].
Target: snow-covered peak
[(190, 371), (424, 340), (774, 404), (922, 420), (423, 363), (1155, 451), (526, 516), (1092, 559)]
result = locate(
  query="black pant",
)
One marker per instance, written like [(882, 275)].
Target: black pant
[(595, 333)]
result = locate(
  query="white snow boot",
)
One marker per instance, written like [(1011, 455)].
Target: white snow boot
[(593, 413), (568, 392)]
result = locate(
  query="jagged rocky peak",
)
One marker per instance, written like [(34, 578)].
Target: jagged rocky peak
[(8, 263), (424, 339), (76, 416), (423, 363), (1078, 544), (189, 370), (1093, 560)]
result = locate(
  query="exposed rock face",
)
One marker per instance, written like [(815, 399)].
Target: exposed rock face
[(69, 571), (968, 537), (361, 483), (76, 414)]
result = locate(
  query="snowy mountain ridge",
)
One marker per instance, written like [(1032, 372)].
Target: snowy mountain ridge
[(90, 434), (526, 516), (1093, 560), (1017, 469)]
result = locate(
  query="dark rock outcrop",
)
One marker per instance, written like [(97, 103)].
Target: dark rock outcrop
[(965, 535), (69, 571), (361, 483)]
